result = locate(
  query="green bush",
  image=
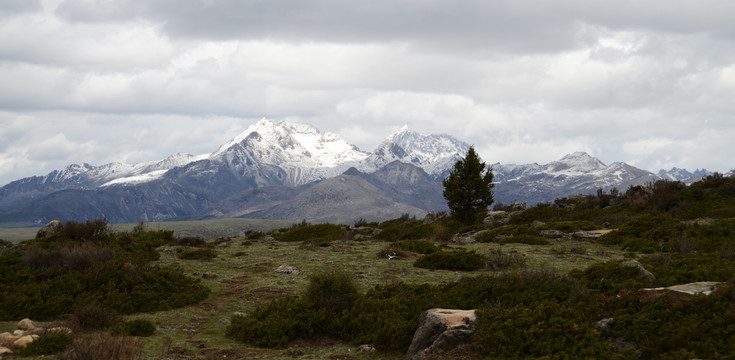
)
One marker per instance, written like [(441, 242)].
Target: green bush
[(272, 325), (499, 260), (687, 328), (137, 327), (192, 241), (404, 229), (610, 277), (318, 232), (254, 235), (329, 295), (57, 275), (674, 269), (544, 330), (452, 260), (46, 345), (197, 254), (331, 290), (96, 229)]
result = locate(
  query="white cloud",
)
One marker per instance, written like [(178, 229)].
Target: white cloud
[(644, 82)]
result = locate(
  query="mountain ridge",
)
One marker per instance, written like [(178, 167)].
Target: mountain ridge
[(293, 170)]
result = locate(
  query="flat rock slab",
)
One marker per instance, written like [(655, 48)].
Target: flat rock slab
[(695, 288)]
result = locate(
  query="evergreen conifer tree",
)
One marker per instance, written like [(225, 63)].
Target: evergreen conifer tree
[(468, 191)]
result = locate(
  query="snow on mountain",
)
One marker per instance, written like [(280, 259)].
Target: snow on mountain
[(577, 173), (305, 153), (299, 145), (683, 175), (578, 163), (509, 172), (124, 174), (435, 154)]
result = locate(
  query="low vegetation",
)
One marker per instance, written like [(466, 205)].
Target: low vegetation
[(540, 284), (86, 265)]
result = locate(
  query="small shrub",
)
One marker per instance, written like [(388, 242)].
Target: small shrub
[(545, 330), (138, 327), (193, 241), (197, 254), (93, 317), (247, 243), (104, 347), (272, 325), (441, 233), (404, 229), (499, 260), (331, 290), (84, 231), (610, 276), (329, 296), (220, 242), (254, 235), (314, 233), (452, 260), (46, 344)]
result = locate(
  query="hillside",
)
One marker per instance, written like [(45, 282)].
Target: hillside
[(549, 257)]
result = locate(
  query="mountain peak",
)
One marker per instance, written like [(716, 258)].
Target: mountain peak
[(433, 153), (575, 163), (264, 125)]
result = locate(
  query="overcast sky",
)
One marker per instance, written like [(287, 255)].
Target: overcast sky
[(650, 83)]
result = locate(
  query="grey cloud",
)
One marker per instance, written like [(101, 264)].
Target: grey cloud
[(15, 7), (506, 25)]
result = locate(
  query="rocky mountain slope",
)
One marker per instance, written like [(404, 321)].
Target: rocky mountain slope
[(294, 171), (577, 173), (683, 175)]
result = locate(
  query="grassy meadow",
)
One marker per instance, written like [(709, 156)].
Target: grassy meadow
[(208, 229)]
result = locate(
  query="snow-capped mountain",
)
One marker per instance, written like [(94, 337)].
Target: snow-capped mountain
[(577, 173), (86, 177), (436, 154), (302, 151), (296, 171), (683, 175)]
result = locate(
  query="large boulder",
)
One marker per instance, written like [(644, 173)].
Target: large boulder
[(286, 269), (26, 324), (643, 271), (7, 339), (497, 218), (23, 341), (49, 229), (440, 330)]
